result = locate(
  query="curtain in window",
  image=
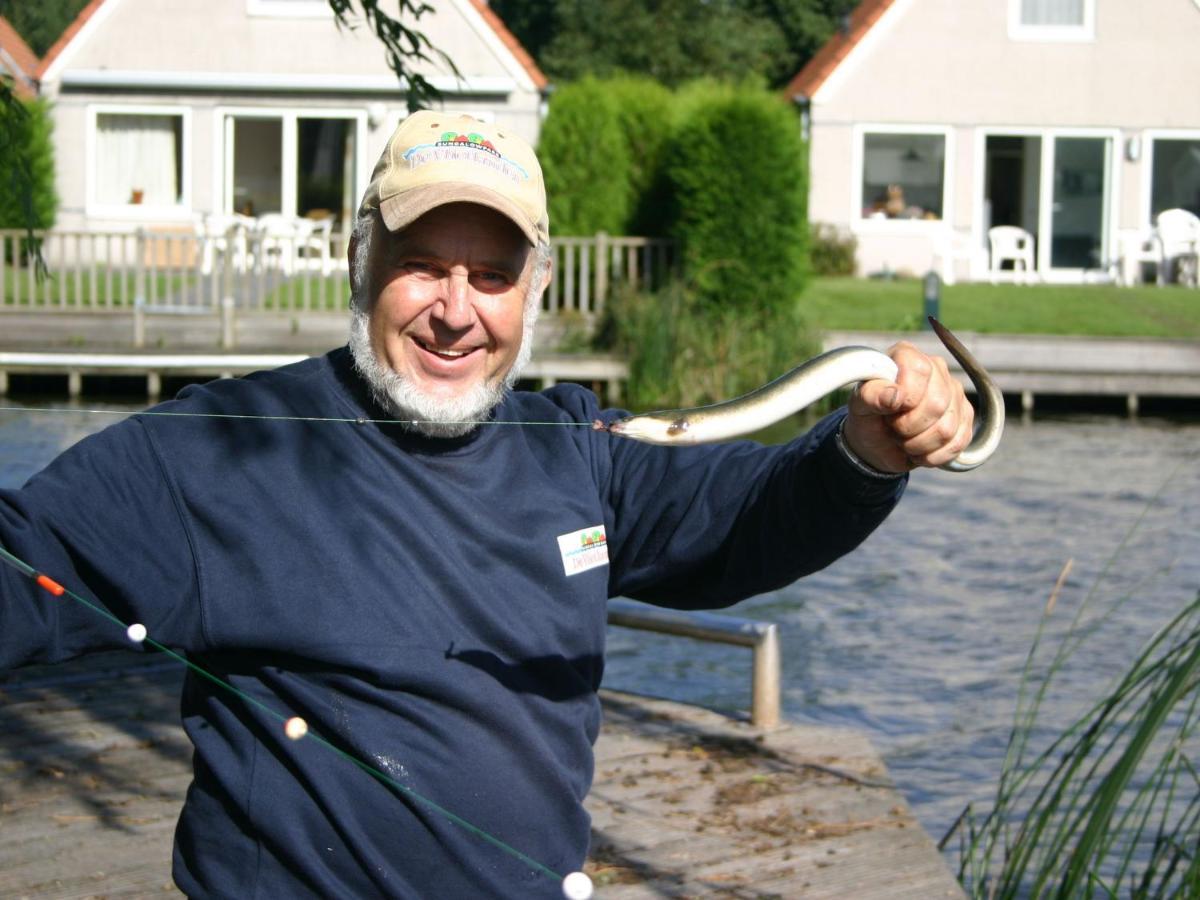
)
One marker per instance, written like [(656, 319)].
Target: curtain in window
[(1052, 12), (136, 159)]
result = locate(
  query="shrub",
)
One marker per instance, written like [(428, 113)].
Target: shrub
[(738, 171), (27, 197), (645, 114), (832, 251), (683, 351), (585, 161)]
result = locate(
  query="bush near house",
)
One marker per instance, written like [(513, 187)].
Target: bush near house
[(738, 172), (585, 161), (645, 112), (27, 196), (832, 250)]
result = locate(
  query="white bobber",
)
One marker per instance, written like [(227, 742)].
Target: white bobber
[(577, 886)]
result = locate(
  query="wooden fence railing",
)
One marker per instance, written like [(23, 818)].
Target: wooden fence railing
[(185, 271)]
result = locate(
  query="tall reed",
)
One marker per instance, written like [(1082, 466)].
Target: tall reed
[(1111, 807)]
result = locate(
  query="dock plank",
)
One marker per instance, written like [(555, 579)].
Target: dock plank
[(686, 802)]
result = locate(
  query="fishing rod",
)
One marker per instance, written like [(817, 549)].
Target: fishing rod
[(574, 885)]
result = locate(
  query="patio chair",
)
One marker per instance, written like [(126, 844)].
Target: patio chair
[(1008, 243), (222, 239), (1137, 248), (1179, 243), (278, 239), (313, 250)]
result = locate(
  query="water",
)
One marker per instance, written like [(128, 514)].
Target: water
[(920, 636)]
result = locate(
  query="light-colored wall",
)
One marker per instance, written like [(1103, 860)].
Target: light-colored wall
[(952, 63), (219, 36)]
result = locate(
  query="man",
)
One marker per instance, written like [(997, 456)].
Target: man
[(419, 584)]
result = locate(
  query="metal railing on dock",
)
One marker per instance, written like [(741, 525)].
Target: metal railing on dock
[(761, 637)]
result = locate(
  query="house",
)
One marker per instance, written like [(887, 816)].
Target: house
[(17, 61), (167, 110), (931, 121)]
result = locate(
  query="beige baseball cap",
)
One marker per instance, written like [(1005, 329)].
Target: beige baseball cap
[(434, 158)]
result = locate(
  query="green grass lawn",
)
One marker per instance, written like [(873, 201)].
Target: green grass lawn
[(1142, 311)]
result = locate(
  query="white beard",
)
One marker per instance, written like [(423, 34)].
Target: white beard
[(431, 416)]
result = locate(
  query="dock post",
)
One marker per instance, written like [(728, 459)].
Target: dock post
[(227, 326), (139, 322), (765, 682), (153, 385), (3, 382), (1131, 405), (74, 384)]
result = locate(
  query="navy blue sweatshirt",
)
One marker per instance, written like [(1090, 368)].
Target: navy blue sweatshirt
[(434, 609)]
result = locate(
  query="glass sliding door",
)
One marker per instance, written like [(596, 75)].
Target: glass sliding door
[(325, 171), (290, 163), (1080, 203), (255, 162)]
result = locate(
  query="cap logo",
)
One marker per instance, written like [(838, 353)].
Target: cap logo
[(473, 148)]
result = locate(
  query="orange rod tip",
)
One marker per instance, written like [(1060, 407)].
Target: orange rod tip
[(49, 584)]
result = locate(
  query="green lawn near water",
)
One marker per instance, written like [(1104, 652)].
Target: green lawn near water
[(858, 304)]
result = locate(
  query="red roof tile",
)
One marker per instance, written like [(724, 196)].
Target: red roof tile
[(497, 25), (22, 58), (837, 48), (65, 38)]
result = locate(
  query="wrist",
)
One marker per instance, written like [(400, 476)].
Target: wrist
[(859, 464)]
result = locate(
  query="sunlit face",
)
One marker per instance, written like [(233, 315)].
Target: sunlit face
[(447, 310)]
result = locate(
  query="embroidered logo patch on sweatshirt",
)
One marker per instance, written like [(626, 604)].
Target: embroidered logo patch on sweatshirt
[(584, 549)]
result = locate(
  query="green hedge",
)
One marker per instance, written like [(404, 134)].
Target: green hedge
[(645, 111), (739, 178), (27, 195), (585, 161)]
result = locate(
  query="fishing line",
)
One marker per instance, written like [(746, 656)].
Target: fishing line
[(575, 884), (360, 420)]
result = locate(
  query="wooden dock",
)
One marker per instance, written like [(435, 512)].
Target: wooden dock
[(686, 802), (1028, 366)]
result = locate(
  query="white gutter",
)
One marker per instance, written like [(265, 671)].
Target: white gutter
[(270, 81)]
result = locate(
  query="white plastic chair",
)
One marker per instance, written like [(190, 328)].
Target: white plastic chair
[(221, 238), (1008, 243), (312, 250), (1179, 243), (1137, 247), (277, 240)]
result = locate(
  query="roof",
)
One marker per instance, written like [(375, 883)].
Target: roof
[(68, 35), (17, 59), (510, 41), (818, 69), (493, 21)]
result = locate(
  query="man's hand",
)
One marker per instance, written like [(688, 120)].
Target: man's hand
[(923, 419)]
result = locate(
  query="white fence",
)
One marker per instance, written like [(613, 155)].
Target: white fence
[(257, 269)]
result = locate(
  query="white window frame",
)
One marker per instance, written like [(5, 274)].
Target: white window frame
[(1083, 33), (861, 224), (1147, 139), (289, 9), (289, 116), (138, 211)]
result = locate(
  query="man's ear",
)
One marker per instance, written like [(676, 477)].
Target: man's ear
[(351, 255), (548, 276)]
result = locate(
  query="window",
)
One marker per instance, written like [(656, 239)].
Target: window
[(292, 163), (1175, 175), (1051, 20), (903, 176), (139, 159)]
